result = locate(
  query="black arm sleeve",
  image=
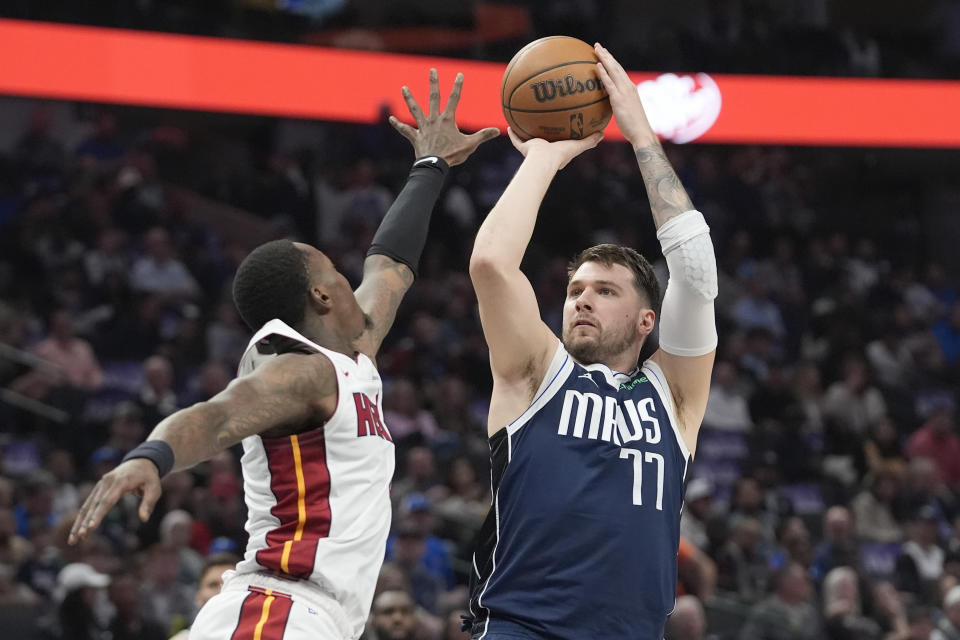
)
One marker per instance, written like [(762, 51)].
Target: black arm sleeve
[(403, 232)]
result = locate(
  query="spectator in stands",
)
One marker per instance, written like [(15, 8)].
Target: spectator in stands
[(126, 429), (852, 403), (128, 622), (948, 627), (14, 594), (688, 620), (77, 368), (393, 617), (788, 614), (873, 509), (14, 549), (924, 487), (419, 474), (159, 271), (409, 553), (937, 439), (883, 450), (742, 566), (757, 309), (36, 505), (166, 599), (157, 396), (839, 546), (65, 496), (464, 506), (793, 544), (843, 610), (697, 510), (808, 395), (407, 418), (727, 407), (748, 502), (210, 583), (920, 563), (226, 336), (696, 572), (80, 613), (176, 528)]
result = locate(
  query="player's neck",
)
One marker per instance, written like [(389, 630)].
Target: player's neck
[(327, 337)]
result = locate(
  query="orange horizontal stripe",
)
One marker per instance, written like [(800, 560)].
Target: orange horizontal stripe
[(214, 74)]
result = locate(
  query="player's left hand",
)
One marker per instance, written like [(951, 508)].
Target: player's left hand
[(137, 476), (624, 99), (436, 133)]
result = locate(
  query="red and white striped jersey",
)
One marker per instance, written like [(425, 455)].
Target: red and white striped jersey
[(319, 502)]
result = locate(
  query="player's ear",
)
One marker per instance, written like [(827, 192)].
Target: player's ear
[(320, 299), (646, 321)]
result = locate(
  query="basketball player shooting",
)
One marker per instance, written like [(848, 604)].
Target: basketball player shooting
[(317, 460), (589, 449)]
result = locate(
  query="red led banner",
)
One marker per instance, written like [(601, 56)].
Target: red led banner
[(214, 74)]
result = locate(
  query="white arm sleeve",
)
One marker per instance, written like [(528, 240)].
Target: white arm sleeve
[(687, 323)]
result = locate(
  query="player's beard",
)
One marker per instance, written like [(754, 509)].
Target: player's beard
[(601, 350)]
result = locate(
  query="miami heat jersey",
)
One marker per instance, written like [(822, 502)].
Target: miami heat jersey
[(581, 540), (319, 502)]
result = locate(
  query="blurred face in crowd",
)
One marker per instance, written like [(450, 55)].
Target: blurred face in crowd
[(124, 593), (393, 617), (837, 525), (795, 585), (420, 464), (210, 583), (748, 497), (604, 315)]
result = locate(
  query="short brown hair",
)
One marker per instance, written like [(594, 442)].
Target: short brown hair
[(607, 254)]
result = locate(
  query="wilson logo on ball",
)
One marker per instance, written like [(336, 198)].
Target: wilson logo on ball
[(546, 90)]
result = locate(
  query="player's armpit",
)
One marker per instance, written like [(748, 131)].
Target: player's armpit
[(291, 389), (689, 380), (385, 281)]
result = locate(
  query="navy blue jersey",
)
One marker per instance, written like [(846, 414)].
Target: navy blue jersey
[(581, 540)]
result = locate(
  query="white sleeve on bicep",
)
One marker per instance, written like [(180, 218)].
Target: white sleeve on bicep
[(687, 323)]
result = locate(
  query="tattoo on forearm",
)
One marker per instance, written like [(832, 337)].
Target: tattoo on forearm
[(393, 280), (667, 196)]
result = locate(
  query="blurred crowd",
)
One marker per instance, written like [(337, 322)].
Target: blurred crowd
[(825, 498), (806, 37)]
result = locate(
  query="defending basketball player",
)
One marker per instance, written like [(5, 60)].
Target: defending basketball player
[(318, 459), (589, 449)]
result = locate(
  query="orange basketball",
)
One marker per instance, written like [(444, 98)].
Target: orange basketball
[(551, 90)]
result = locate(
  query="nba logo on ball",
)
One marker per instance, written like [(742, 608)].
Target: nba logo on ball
[(551, 90)]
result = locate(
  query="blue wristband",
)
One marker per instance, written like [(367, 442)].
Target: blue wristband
[(156, 451)]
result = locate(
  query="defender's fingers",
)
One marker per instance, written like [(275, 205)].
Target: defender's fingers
[(405, 130), (454, 98), (151, 493), (79, 530), (483, 135), (434, 94), (412, 106)]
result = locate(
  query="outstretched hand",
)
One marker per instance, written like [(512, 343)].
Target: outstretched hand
[(624, 99), (137, 476), (436, 133), (562, 151)]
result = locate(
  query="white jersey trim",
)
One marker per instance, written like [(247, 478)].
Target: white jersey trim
[(659, 382), (560, 367)]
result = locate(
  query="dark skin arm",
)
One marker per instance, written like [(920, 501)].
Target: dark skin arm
[(385, 281), (291, 389)]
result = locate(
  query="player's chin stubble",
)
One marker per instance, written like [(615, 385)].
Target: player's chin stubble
[(586, 351)]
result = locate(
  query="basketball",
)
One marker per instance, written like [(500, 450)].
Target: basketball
[(551, 90)]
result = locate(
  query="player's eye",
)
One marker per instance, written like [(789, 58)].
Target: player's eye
[(575, 292), (605, 291)]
